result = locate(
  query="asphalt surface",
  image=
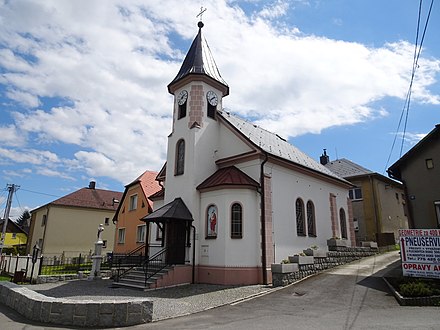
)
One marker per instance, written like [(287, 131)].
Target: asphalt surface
[(352, 296)]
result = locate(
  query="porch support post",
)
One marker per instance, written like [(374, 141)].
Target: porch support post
[(147, 240)]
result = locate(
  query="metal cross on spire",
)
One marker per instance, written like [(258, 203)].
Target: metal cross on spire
[(202, 10)]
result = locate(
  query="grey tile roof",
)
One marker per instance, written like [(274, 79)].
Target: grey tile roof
[(199, 60), (346, 169), (275, 145)]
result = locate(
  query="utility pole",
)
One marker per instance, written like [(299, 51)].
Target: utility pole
[(12, 188)]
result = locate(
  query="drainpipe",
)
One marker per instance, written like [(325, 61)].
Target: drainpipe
[(194, 255), (263, 219), (45, 228), (375, 207)]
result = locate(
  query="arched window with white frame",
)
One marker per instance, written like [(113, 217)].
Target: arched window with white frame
[(236, 221), (311, 221), (180, 157), (300, 221)]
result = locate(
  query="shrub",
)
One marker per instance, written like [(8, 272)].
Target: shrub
[(415, 289)]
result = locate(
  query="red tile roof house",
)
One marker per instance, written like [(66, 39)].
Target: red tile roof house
[(134, 205), (68, 226)]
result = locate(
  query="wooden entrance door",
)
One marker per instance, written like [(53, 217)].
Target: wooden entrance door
[(176, 237)]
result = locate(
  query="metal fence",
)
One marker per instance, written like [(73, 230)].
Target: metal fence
[(13, 264), (23, 267)]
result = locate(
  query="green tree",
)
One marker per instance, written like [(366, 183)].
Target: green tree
[(23, 220)]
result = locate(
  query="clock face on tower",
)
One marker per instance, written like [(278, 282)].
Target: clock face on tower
[(212, 98), (182, 97)]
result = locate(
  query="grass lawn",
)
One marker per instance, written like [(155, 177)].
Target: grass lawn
[(5, 278)]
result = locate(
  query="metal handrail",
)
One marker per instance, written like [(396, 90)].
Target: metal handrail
[(129, 260), (155, 264)]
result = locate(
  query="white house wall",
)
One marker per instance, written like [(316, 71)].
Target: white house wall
[(230, 144), (287, 186), (224, 250)]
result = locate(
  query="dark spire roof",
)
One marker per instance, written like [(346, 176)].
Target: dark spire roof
[(199, 61)]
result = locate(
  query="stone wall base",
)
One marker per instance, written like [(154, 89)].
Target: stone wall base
[(334, 258), (103, 314)]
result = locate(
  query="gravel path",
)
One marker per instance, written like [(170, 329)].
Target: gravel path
[(168, 302)]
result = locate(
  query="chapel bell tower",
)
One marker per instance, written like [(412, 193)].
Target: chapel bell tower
[(198, 88)]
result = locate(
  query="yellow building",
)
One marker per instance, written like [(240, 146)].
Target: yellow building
[(378, 203), (68, 226), (14, 236)]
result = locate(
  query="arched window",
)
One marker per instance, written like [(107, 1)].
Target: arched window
[(236, 221), (311, 224), (180, 157), (343, 223), (300, 223)]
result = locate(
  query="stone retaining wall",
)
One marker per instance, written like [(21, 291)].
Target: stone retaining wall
[(67, 277), (342, 256), (104, 314)]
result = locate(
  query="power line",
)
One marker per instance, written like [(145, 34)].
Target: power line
[(415, 66), (406, 106), (40, 193)]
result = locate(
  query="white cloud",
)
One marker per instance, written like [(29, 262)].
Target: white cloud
[(52, 173), (108, 66), (30, 156), (10, 136)]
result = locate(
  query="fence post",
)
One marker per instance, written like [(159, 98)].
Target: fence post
[(40, 266), (27, 266), (9, 265), (16, 262)]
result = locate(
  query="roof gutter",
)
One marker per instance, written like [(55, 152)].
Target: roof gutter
[(263, 219)]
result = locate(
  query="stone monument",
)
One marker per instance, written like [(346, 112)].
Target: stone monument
[(95, 273)]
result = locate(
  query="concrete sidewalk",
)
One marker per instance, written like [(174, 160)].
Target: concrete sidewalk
[(167, 302), (182, 300)]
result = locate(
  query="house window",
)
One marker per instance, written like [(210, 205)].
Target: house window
[(121, 235), (180, 157), (300, 223), (133, 202), (104, 243), (355, 194), (107, 221), (236, 221), (140, 233), (429, 163), (44, 220), (343, 223), (311, 226), (211, 221), (158, 232)]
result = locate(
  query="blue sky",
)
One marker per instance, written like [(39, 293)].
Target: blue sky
[(83, 83)]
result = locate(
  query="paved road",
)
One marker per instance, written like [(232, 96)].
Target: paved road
[(350, 297), (353, 296)]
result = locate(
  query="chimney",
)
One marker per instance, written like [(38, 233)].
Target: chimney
[(324, 159), (92, 185)]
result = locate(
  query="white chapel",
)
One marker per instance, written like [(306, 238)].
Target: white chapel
[(236, 198)]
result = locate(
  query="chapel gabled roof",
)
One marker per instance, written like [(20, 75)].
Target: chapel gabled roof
[(347, 169), (228, 177), (274, 145), (199, 61)]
